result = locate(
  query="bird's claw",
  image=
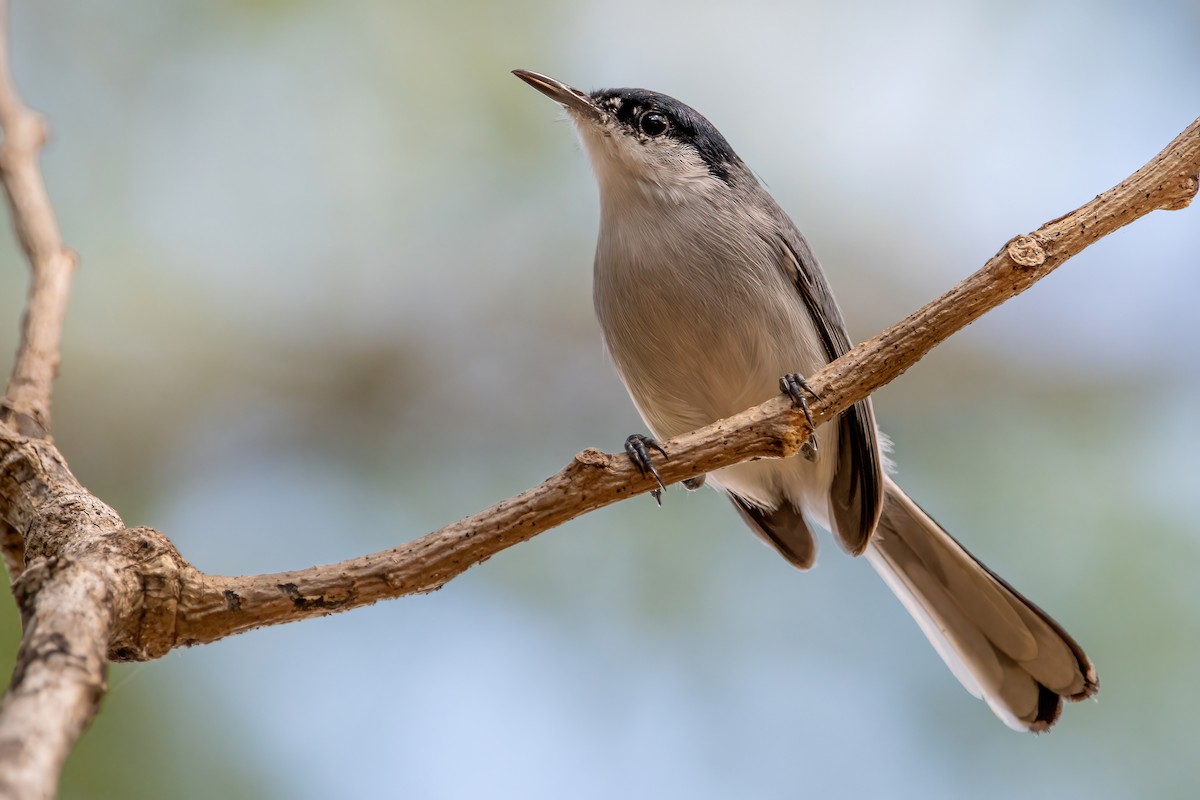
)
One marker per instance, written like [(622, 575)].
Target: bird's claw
[(796, 388), (638, 448)]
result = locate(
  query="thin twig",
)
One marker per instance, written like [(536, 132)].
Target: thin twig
[(213, 607), (26, 403)]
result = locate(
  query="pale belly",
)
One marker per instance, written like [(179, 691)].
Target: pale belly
[(691, 354)]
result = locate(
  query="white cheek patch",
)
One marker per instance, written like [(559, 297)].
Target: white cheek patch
[(660, 169)]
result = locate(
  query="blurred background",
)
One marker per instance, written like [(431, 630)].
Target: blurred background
[(335, 293)]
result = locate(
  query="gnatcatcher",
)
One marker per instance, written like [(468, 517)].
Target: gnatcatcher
[(707, 294)]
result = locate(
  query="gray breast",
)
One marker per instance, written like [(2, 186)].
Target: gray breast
[(697, 314)]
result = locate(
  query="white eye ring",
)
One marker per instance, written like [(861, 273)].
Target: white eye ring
[(653, 123)]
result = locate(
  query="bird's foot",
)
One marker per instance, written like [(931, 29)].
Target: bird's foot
[(796, 388), (638, 448)]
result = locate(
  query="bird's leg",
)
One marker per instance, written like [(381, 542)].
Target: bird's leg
[(795, 387), (638, 447)]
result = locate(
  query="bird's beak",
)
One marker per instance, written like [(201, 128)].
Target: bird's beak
[(569, 98)]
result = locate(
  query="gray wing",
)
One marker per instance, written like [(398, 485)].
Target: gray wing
[(856, 497), (784, 529)]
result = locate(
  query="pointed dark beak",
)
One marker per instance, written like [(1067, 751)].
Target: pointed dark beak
[(569, 98)]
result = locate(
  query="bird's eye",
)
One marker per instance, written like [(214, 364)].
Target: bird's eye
[(653, 123)]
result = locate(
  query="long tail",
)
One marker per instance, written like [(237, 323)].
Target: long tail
[(1002, 647)]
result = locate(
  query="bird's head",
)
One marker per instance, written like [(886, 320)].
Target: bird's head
[(645, 143)]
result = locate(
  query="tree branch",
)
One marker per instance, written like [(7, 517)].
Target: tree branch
[(213, 607), (66, 615), (91, 589), (59, 676), (26, 403)]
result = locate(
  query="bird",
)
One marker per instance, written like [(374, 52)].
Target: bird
[(711, 301)]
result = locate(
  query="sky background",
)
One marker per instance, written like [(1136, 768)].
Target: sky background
[(334, 293)]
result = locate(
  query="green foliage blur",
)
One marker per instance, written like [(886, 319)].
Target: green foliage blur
[(335, 292)]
